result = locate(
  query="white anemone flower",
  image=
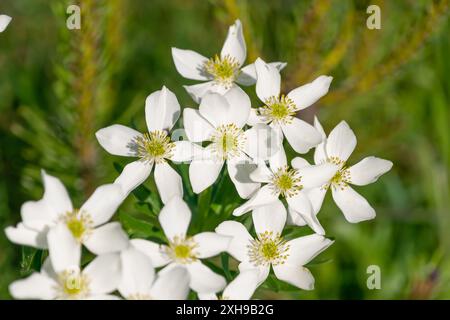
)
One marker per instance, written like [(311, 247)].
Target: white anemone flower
[(139, 282), (280, 110), (4, 21), (154, 148), (291, 183), (53, 223), (220, 119), (241, 288), (270, 250), (336, 149), (95, 282), (183, 250), (221, 72)]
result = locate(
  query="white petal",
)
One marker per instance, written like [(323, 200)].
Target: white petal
[(102, 297), (298, 276), (174, 218), (203, 280), (316, 196), (304, 249), (137, 273), (239, 173), (368, 170), (271, 217), (204, 172), (27, 237), (301, 205), (317, 175), (211, 244), (118, 140), (299, 163), (294, 218), (243, 286), (39, 215), (278, 160), (234, 45), (240, 238), (268, 81), (262, 173), (185, 151), (254, 118), (239, 106), (102, 204), (152, 250), (36, 286), (189, 64), (320, 154), (341, 142), (262, 142), (247, 76), (4, 21), (104, 273), (64, 249), (207, 296), (262, 270), (354, 206), (162, 110), (133, 175), (301, 135), (309, 93), (197, 128), (263, 196), (215, 108), (171, 285), (198, 91), (107, 238), (168, 182)]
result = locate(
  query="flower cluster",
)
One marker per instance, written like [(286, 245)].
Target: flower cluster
[(224, 129)]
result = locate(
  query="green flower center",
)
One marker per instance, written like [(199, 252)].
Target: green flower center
[(227, 141), (286, 181), (224, 70), (79, 223), (154, 146), (182, 250), (279, 109), (269, 248), (73, 285)]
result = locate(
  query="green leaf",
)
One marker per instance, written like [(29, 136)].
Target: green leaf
[(31, 260), (140, 228), (225, 259)]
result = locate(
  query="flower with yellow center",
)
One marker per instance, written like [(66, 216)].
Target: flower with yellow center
[(154, 148), (290, 183), (269, 249), (336, 149), (223, 71), (280, 110), (185, 251), (70, 283), (220, 120), (52, 223)]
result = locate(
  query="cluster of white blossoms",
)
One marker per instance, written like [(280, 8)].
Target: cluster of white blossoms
[(224, 129)]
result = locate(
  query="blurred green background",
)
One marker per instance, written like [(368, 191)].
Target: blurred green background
[(57, 87)]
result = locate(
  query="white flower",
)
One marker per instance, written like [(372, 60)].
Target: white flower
[(98, 279), (222, 71), (183, 250), (279, 110), (269, 249), (155, 147), (336, 149), (290, 183), (4, 21), (53, 223), (138, 280), (220, 119), (241, 288)]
